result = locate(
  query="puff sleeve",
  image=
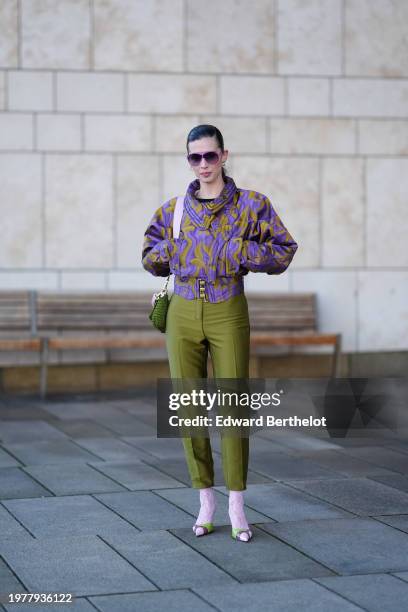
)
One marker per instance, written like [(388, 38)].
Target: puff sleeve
[(270, 247), (155, 250)]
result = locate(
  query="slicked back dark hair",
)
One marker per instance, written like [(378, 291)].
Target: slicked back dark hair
[(204, 130)]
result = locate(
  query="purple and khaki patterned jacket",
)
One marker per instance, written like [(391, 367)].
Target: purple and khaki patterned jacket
[(220, 241)]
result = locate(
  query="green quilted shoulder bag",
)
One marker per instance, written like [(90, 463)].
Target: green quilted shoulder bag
[(161, 301)]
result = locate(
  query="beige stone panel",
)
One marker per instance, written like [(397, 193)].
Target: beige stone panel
[(137, 279), (177, 176), (343, 222), (387, 212), (165, 93), (117, 133), (2, 90), (58, 132), (137, 194), (310, 37), (388, 137), (171, 132), (86, 281), (20, 279), (251, 95), (241, 134), (90, 92), (308, 96), (292, 186), (8, 33), (16, 131), (382, 310), (230, 36), (336, 298), (55, 33), (267, 283), (79, 211), (376, 41), (370, 97), (138, 35), (320, 136), (21, 235), (31, 91)]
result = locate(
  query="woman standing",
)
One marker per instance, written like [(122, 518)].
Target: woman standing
[(225, 233)]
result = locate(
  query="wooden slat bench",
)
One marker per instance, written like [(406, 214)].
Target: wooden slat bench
[(110, 320), (289, 319), (17, 321)]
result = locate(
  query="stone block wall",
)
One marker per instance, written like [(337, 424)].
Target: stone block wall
[(97, 98)]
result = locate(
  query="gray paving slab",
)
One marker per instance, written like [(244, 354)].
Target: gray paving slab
[(384, 457), (374, 592), (72, 479), (347, 546), (81, 410), (8, 581), (167, 561), (10, 528), (352, 440), (342, 463), (7, 460), (304, 492), (170, 601), (359, 495), (277, 596), (397, 481), (28, 430), (189, 500), (398, 521), (162, 448), (82, 428), (15, 482), (73, 564), (78, 604), (145, 410), (128, 425), (284, 466), (146, 510), (256, 444), (281, 502), (263, 558), (72, 514), (112, 449), (136, 404), (298, 441), (401, 445), (28, 412), (50, 451), (137, 475)]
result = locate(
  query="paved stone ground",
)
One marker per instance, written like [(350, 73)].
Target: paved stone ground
[(93, 504)]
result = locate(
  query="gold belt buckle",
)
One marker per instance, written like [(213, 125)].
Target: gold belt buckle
[(202, 289)]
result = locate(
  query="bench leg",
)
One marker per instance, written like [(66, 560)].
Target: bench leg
[(44, 368), (336, 357)]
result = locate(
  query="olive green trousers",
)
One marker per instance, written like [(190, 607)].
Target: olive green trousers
[(194, 328)]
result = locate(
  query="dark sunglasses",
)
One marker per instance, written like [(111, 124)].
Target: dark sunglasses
[(211, 157)]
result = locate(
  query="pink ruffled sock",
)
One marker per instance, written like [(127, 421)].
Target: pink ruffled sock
[(237, 513), (207, 509)]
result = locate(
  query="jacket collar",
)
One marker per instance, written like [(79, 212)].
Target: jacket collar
[(202, 213)]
